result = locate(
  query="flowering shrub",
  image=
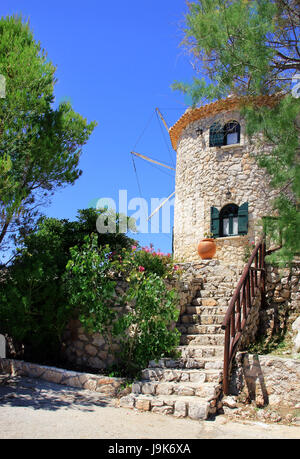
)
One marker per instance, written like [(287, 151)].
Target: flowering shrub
[(152, 261), (146, 331)]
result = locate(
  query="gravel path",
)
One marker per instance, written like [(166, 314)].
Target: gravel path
[(31, 408)]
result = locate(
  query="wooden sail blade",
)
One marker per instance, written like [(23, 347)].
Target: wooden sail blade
[(162, 118), (152, 160), (161, 205)]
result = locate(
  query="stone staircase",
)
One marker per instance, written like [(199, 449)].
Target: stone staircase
[(190, 385)]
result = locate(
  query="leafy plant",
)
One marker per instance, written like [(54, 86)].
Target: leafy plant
[(208, 235), (147, 329), (146, 332), (91, 287), (33, 291)]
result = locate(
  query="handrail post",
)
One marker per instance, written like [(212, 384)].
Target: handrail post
[(226, 361)]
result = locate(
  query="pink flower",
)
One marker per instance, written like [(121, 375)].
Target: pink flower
[(176, 267), (133, 247), (141, 269)]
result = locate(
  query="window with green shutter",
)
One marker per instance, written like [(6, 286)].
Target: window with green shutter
[(231, 220), (232, 133), (216, 135)]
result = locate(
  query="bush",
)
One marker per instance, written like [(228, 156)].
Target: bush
[(146, 331), (33, 308)]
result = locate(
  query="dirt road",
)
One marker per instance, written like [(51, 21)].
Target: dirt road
[(31, 408)]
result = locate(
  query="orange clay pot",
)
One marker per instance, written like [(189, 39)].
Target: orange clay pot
[(207, 248)]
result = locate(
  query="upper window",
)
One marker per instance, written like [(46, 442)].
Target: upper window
[(229, 134), (232, 132), (216, 135)]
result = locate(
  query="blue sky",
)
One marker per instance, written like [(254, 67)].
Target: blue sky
[(115, 63)]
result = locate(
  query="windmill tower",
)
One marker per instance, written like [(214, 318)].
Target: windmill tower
[(219, 187)]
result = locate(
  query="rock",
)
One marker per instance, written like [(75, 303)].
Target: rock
[(296, 325), (198, 410), (180, 409), (230, 402), (148, 388), (143, 405), (91, 350), (163, 409), (164, 389), (127, 402), (297, 343)]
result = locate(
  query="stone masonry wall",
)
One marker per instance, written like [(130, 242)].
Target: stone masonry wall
[(282, 301), (203, 176), (266, 379)]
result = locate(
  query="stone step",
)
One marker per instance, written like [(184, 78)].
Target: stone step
[(196, 329), (189, 362), (201, 351), (205, 340), (205, 302), (181, 375), (181, 407), (202, 319), (205, 390), (207, 294), (206, 310)]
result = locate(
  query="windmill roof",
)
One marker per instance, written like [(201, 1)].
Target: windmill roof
[(222, 105)]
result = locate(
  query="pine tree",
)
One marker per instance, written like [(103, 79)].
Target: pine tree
[(39, 146), (251, 48)]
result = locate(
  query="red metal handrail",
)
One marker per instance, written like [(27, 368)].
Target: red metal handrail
[(253, 277)]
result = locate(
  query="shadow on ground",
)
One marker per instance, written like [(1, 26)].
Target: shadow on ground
[(42, 395)]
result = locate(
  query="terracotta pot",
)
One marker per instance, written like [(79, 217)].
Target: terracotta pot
[(207, 248)]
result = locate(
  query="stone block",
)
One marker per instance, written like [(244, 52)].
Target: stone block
[(163, 409), (143, 405), (198, 410), (180, 409)]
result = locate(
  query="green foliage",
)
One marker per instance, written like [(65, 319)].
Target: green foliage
[(90, 286), (236, 45), (33, 295), (279, 128), (145, 330), (251, 48), (42, 145), (154, 262)]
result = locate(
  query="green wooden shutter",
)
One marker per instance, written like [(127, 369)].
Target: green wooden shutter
[(216, 135), (214, 221), (243, 218)]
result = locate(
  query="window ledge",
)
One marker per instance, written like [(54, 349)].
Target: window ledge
[(225, 238), (232, 146)]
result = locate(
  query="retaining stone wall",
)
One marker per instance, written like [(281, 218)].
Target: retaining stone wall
[(266, 379), (282, 300), (98, 383)]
